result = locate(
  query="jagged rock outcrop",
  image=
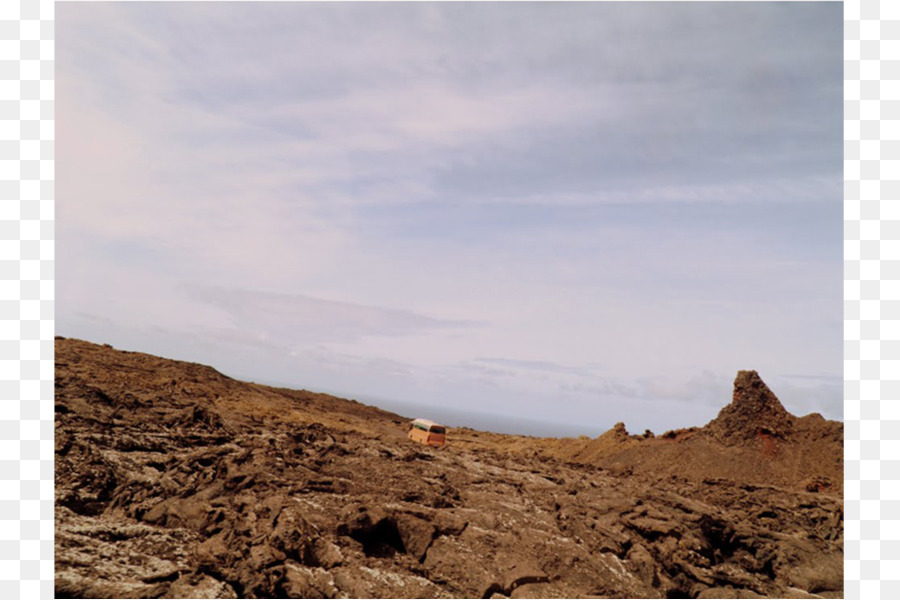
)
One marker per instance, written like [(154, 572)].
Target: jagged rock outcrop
[(173, 480), (753, 440), (754, 412)]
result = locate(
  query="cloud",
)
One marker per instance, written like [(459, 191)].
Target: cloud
[(703, 388), (619, 129), (804, 394), (303, 320), (537, 365)]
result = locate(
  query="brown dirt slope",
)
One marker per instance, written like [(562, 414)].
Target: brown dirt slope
[(753, 440), (174, 481)]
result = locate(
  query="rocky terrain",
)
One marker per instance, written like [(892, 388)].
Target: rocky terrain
[(175, 481)]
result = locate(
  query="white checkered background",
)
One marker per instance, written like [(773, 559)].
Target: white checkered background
[(26, 299), (872, 298)]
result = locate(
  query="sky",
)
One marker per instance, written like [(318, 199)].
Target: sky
[(555, 215)]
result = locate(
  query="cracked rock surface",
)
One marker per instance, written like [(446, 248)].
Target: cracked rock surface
[(175, 481)]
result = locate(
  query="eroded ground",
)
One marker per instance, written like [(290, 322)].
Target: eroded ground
[(175, 481)]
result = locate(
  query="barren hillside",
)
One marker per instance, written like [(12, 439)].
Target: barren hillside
[(173, 480)]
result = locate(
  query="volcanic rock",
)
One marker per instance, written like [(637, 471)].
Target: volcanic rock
[(754, 411), (173, 480)]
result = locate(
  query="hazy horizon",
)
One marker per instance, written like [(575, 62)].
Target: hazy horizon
[(570, 213)]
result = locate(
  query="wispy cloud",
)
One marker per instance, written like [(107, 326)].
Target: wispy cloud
[(537, 365), (312, 320)]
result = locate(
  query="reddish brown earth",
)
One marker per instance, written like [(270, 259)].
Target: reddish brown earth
[(175, 481)]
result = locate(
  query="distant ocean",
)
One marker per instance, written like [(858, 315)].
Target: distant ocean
[(452, 417)]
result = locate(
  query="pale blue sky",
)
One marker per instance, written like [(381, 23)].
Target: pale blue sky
[(575, 213)]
